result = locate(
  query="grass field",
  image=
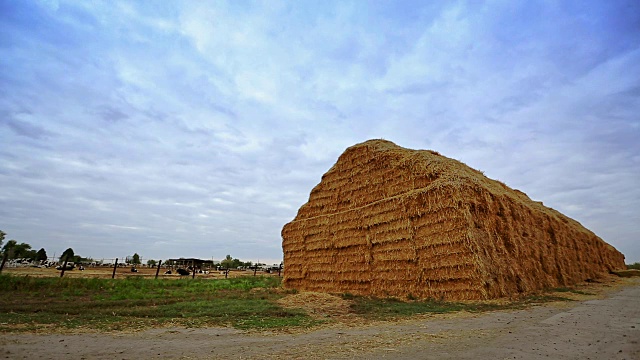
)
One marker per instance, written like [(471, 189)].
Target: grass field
[(33, 303), (53, 304)]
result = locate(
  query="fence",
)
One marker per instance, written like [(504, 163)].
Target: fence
[(117, 268)]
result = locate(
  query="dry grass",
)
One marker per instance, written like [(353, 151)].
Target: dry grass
[(318, 305), (389, 221)]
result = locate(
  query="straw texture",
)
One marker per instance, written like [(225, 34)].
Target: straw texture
[(390, 221)]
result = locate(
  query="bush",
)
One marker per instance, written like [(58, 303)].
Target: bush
[(635, 266)]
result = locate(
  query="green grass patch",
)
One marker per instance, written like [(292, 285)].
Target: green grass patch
[(570, 290), (59, 304), (389, 308), (627, 273), (28, 303), (377, 308)]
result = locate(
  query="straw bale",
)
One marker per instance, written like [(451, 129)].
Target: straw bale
[(385, 220)]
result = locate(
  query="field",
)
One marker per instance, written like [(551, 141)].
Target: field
[(105, 272), (134, 317), (38, 300)]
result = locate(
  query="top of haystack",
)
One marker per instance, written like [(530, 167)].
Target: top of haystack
[(434, 169)]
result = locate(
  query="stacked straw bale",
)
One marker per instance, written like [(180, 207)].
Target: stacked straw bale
[(390, 221)]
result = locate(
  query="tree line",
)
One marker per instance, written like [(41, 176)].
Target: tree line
[(14, 250)]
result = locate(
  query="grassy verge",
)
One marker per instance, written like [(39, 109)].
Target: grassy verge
[(31, 304), (382, 309), (61, 304)]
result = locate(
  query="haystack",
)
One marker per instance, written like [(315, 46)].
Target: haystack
[(390, 221)]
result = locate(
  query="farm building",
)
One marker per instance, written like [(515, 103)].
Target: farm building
[(192, 262), (390, 221)]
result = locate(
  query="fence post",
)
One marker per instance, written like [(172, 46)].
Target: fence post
[(64, 266), (115, 265), (279, 270), (158, 269), (4, 260), (255, 268)]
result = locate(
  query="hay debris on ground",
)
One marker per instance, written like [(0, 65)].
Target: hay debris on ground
[(390, 221), (317, 304)]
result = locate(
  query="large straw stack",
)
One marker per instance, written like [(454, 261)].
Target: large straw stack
[(390, 221)]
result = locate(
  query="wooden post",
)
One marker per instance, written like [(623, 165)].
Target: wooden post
[(280, 269), (4, 260), (115, 265), (226, 273), (158, 269), (64, 266), (255, 268)]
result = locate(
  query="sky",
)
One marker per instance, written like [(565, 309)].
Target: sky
[(198, 128)]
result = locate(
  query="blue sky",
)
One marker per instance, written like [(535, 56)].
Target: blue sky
[(198, 128)]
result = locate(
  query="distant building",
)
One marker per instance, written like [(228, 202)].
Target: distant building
[(193, 262)]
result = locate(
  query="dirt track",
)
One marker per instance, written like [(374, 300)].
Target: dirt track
[(595, 329)]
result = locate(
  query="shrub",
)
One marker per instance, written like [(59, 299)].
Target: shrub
[(635, 266)]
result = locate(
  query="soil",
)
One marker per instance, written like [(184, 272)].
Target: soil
[(605, 326)]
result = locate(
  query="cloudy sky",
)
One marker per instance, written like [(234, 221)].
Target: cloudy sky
[(198, 128)]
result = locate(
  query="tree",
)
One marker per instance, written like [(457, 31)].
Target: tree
[(227, 262), (135, 259), (9, 249), (41, 255), (80, 259), (151, 263), (2, 235), (67, 255), (23, 250), (235, 263), (18, 251)]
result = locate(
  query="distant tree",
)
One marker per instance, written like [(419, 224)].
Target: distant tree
[(23, 250), (151, 263), (18, 251), (80, 259), (68, 255), (2, 235), (9, 249), (41, 255), (29, 254), (231, 263), (135, 259), (227, 262)]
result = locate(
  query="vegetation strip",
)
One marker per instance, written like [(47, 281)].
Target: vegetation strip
[(63, 304), (31, 304)]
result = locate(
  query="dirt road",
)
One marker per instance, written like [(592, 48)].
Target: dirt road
[(596, 329)]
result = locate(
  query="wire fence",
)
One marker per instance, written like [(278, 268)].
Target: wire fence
[(128, 266)]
